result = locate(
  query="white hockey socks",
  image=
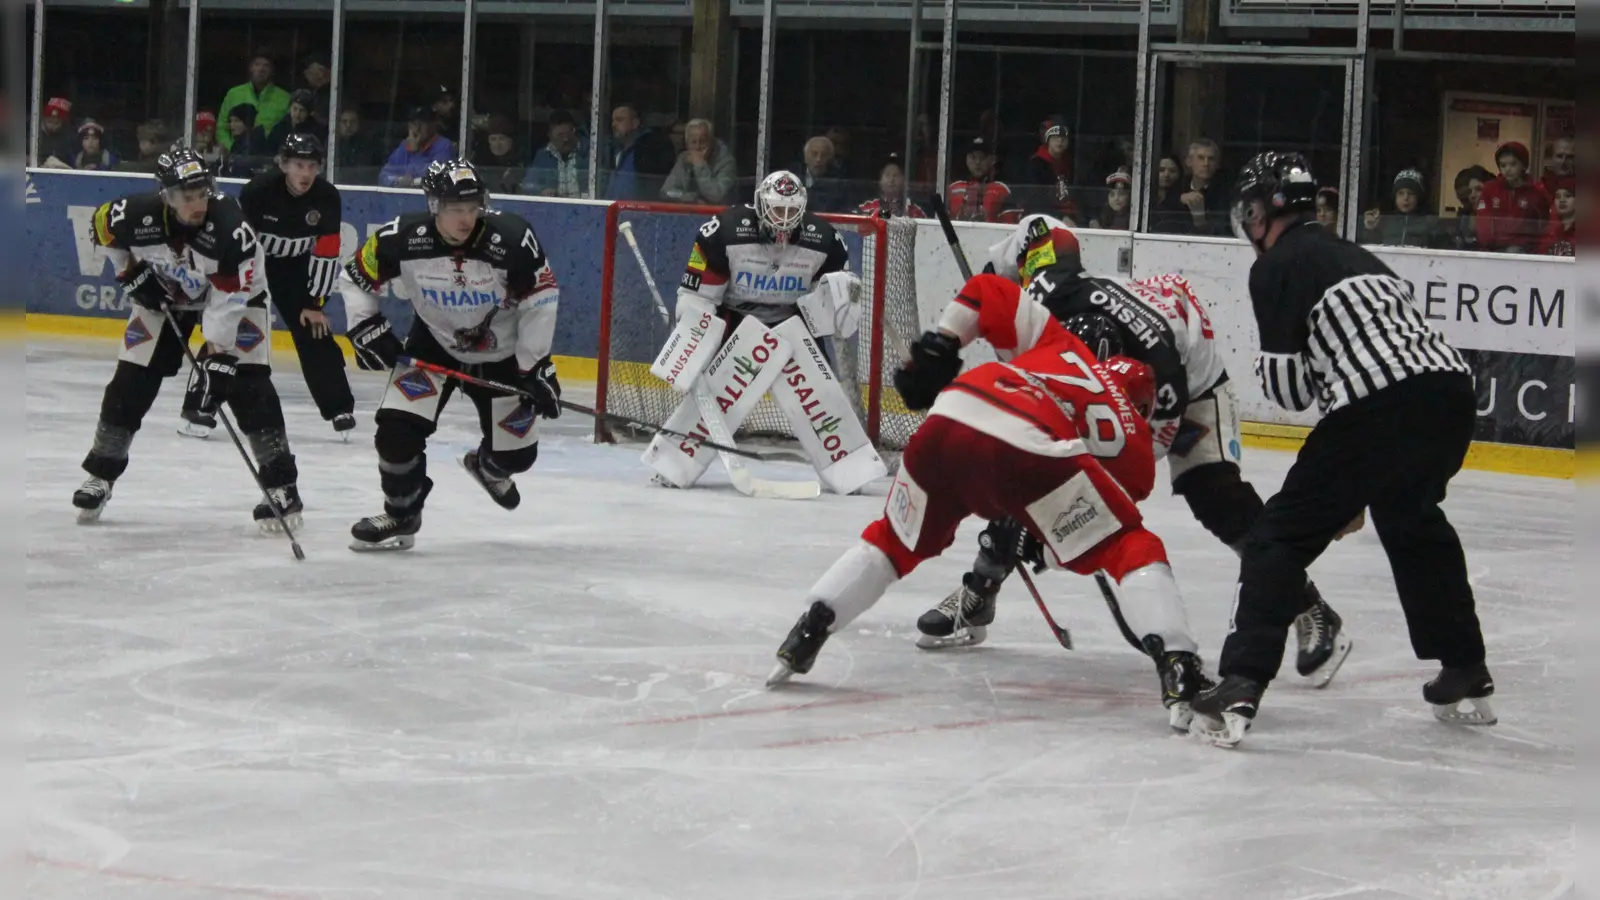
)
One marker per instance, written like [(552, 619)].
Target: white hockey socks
[(853, 583), (1151, 604)]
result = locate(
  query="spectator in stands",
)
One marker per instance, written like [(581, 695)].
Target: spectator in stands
[(249, 151), (892, 199), (640, 157), (205, 139), (677, 133), (1563, 164), (1514, 212), (268, 102), (1409, 225), (356, 153), (1168, 215), (1469, 190), (704, 172), (1049, 174), (57, 142), (422, 147), (445, 113), (1562, 239), (840, 138), (154, 139), (819, 171), (298, 121), (925, 152), (92, 154), (316, 76), (501, 162), (1206, 197), (561, 167), (981, 198), (1328, 209), (1114, 215)]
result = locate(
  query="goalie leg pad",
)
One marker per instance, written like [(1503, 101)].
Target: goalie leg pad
[(742, 371), (821, 416), (690, 347)]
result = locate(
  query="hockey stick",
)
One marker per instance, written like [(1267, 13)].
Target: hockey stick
[(1110, 594), (222, 414), (1063, 636), (743, 482), (568, 405)]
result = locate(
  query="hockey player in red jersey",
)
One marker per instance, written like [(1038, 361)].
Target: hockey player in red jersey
[(1049, 436)]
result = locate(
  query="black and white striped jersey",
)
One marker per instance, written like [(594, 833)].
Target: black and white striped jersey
[(298, 232), (1336, 323)]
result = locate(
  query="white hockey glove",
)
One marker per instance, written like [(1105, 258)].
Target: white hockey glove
[(834, 306)]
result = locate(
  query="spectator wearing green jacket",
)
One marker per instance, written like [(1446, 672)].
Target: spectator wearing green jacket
[(271, 102)]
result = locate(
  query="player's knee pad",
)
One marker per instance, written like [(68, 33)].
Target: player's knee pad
[(512, 462), (400, 436), (1220, 499), (129, 395), (254, 400), (405, 484)]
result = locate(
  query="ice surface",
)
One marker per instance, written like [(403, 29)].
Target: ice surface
[(566, 701)]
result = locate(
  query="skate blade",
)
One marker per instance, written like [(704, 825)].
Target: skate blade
[(90, 516), (398, 542), (661, 481), (1323, 674), (1226, 734), (779, 674), (190, 429), (971, 636), (1180, 715), (273, 526), (1471, 711)]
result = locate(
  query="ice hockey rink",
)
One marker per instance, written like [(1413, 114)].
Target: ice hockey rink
[(566, 701)]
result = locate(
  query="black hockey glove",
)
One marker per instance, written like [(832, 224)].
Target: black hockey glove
[(217, 372), (935, 362), (376, 347), (1031, 551), (540, 381), (144, 287)]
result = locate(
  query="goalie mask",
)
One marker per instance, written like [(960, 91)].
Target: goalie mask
[(1272, 184), (452, 181), (1137, 382), (780, 204)]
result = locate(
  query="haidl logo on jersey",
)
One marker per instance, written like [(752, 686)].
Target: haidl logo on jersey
[(770, 284), (463, 298)]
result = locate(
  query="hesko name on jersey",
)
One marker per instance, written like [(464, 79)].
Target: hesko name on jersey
[(1130, 313), (465, 297), (773, 284)]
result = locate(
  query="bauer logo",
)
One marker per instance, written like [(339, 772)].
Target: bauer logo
[(1079, 515), (415, 385), (770, 284)]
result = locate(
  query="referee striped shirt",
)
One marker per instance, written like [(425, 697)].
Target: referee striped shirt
[(1336, 324)]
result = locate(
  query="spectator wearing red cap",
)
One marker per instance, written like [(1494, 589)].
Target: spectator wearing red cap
[(1562, 238), (1114, 215), (57, 143), (981, 198), (205, 139), (1049, 173), (1514, 212), (92, 154)]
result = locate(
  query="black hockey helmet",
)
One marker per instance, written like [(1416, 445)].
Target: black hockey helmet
[(1098, 332), (299, 145), (181, 170), (453, 181), (1282, 181)]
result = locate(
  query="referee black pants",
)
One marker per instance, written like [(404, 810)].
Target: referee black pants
[(1392, 453)]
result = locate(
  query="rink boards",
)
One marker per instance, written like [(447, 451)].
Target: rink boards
[(1509, 315)]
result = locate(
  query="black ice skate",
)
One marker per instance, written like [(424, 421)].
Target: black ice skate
[(1183, 677), (343, 424), (385, 532), (963, 618), (501, 488), (197, 424), (1224, 712), (799, 650), (91, 500), (287, 500), (1452, 688), (1323, 644)]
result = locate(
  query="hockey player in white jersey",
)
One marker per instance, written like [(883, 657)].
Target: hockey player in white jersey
[(1160, 322), (485, 300), (765, 286)]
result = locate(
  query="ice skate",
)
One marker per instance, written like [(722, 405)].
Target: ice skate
[(343, 424), (502, 490), (1183, 677), (287, 500), (1461, 696), (1224, 712), (385, 532), (962, 619), (1323, 644), (91, 500), (799, 650), (196, 424)]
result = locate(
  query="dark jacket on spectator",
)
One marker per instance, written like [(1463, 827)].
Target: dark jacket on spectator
[(1513, 218), (1169, 215), (502, 173), (639, 168), (250, 151), (1218, 198), (546, 171), (1401, 230), (360, 155), (283, 129), (1050, 182), (829, 193)]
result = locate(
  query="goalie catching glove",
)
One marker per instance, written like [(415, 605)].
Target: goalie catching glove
[(935, 362), (540, 381), (833, 308), (375, 344)]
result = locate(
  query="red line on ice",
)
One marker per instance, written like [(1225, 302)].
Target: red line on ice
[(765, 710), (893, 732), (126, 875)]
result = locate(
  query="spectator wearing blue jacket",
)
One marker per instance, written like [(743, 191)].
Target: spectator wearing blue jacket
[(640, 157), (422, 147), (561, 167)]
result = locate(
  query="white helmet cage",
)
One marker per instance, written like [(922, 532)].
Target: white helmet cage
[(780, 203)]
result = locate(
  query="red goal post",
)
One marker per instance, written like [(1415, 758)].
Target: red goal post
[(631, 331)]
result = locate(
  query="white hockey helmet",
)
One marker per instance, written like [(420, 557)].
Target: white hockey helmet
[(780, 203)]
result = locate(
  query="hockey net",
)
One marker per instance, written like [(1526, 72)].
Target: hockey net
[(632, 333)]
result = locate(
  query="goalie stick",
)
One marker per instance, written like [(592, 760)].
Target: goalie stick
[(743, 482), (1063, 636)]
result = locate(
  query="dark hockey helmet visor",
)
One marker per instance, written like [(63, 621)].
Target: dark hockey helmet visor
[(300, 145), (453, 181), (1282, 182)]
